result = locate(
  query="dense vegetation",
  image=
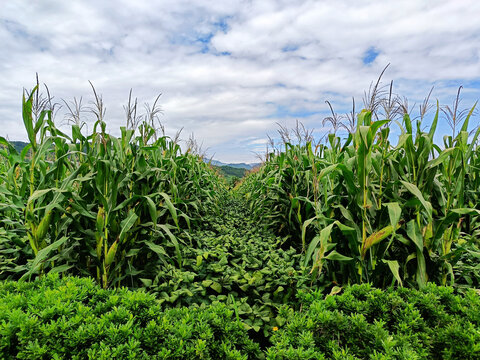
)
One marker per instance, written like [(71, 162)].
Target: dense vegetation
[(74, 318), (54, 318), (367, 323), (98, 205), (137, 211), (235, 262), (18, 145), (365, 210)]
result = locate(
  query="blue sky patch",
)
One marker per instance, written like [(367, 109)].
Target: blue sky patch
[(204, 40), (290, 48), (370, 55), (222, 24)]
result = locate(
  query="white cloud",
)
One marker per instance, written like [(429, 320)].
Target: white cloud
[(230, 70)]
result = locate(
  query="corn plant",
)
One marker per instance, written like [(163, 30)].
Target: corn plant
[(360, 208), (94, 204)]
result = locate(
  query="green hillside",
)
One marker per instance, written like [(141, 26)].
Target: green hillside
[(18, 145), (227, 171)]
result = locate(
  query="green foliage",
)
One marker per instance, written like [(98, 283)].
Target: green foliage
[(18, 145), (368, 323), (54, 318), (73, 318), (237, 263), (364, 210), (91, 203), (221, 265), (227, 171)]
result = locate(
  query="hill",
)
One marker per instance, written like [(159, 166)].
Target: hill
[(18, 145), (233, 165), (227, 171)]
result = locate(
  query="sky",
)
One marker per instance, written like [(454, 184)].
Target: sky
[(230, 71)]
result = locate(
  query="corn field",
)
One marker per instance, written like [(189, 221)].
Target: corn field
[(95, 204), (365, 210), (128, 210)]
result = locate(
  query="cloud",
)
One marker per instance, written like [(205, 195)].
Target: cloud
[(229, 71)]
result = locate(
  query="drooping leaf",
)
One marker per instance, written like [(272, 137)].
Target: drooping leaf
[(417, 193), (394, 268)]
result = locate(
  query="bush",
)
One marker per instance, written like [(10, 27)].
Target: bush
[(54, 318), (367, 323)]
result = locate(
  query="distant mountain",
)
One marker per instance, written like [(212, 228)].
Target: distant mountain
[(227, 171), (19, 145), (234, 165)]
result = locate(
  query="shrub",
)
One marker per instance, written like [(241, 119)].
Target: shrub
[(368, 323), (73, 318), (53, 318)]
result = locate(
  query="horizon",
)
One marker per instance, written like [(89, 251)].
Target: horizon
[(231, 72)]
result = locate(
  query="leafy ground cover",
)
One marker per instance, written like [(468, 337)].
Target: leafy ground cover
[(368, 323), (235, 261), (53, 318), (73, 318)]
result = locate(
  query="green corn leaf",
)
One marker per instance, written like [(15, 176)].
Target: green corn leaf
[(472, 143), (43, 255), (442, 157), (127, 224), (414, 234), (174, 241), (311, 248), (25, 151), (28, 117), (157, 249), (152, 209), (466, 121), (416, 192), (40, 121), (335, 256), (374, 128), (60, 269), (408, 123), (422, 276), (307, 224), (394, 213), (171, 208), (394, 268), (39, 193), (321, 239), (433, 127), (82, 211), (7, 144), (365, 118)]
